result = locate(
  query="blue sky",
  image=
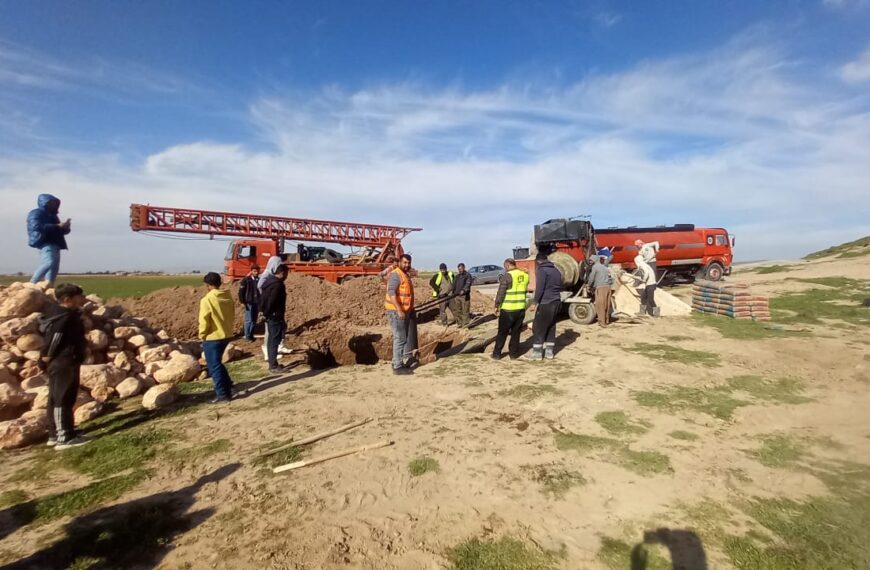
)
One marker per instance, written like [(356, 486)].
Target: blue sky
[(473, 120)]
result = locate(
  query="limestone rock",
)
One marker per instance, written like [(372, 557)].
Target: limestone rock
[(140, 340), (124, 361), (12, 329), (87, 412), (154, 353), (125, 332), (40, 398), (6, 357), (97, 339), (162, 336), (153, 367), (102, 392), (37, 381), (28, 342), (22, 303), (6, 376), (231, 353), (108, 312), (129, 387), (94, 375), (29, 369), (24, 430), (95, 299), (181, 368), (159, 396), (32, 355)]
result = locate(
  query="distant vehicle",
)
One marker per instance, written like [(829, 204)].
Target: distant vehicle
[(486, 274)]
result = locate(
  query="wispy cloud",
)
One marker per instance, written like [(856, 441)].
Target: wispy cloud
[(608, 19), (25, 68), (857, 71), (846, 4), (741, 136)]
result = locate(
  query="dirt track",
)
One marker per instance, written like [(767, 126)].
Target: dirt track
[(522, 450)]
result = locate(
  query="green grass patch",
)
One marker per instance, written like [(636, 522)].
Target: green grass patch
[(741, 329), (69, 503), (719, 401), (252, 368), (195, 387), (283, 457), (619, 555), (768, 269), (666, 353), (531, 391), (842, 300), (110, 286), (784, 390), (107, 455), (616, 452), (12, 497), (854, 248), (423, 465), (684, 435), (716, 403), (779, 450), (555, 480), (506, 553), (618, 423)]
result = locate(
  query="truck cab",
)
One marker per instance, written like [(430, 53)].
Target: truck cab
[(244, 253)]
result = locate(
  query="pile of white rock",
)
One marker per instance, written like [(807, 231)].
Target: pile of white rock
[(126, 357)]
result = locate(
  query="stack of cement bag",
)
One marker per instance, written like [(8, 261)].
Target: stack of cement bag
[(733, 300)]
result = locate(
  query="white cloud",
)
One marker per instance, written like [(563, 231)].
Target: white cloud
[(731, 137), (857, 71)]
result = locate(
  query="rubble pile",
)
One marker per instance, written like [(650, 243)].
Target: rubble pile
[(126, 357)]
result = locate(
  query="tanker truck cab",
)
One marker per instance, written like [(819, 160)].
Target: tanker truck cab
[(718, 254)]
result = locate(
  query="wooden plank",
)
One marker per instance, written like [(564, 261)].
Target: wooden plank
[(316, 437), (337, 454)]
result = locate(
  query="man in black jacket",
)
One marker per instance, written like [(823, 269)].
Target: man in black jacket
[(273, 303), (249, 296), (62, 355), (462, 302), (548, 289)]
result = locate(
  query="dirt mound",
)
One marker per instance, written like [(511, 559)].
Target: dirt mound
[(311, 304)]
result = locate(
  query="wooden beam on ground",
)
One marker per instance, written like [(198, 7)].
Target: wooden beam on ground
[(337, 454), (316, 437)]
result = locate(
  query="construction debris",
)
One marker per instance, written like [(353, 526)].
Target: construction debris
[(733, 300), (313, 438)]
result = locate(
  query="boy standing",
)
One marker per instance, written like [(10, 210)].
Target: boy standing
[(249, 296), (62, 355), (216, 312)]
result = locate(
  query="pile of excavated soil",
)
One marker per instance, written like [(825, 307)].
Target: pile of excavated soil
[(312, 304)]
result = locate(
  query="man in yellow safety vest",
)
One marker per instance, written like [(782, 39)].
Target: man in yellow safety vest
[(442, 285), (510, 302)]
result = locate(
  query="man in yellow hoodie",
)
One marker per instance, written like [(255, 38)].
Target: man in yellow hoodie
[(215, 329)]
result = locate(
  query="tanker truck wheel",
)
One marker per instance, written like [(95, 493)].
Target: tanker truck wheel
[(581, 313), (715, 271)]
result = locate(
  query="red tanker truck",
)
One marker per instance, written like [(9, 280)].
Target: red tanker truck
[(684, 250)]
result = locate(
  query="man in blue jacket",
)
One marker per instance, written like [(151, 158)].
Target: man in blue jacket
[(548, 298), (46, 233)]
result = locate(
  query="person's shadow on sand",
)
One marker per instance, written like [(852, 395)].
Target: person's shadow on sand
[(136, 534)]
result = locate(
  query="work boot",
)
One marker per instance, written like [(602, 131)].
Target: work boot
[(643, 311), (537, 352), (495, 356), (402, 371), (549, 347)]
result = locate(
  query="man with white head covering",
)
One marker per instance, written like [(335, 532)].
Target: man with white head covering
[(269, 274), (647, 286)]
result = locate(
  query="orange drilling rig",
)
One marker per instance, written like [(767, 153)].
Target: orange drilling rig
[(261, 237)]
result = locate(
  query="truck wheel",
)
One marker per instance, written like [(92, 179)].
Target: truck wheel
[(581, 313), (715, 271)]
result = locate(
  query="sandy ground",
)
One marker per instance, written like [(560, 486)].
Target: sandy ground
[(366, 511)]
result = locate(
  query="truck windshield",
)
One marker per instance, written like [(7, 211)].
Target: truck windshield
[(230, 250)]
